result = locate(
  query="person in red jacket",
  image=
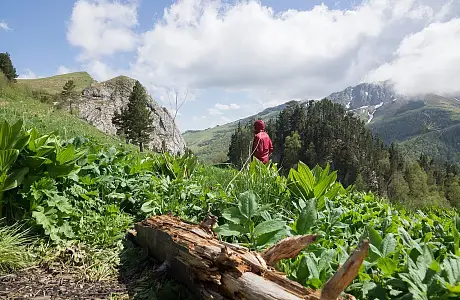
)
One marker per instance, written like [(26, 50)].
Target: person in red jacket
[(262, 145)]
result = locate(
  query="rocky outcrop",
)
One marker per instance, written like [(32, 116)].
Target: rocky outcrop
[(365, 94), (99, 101)]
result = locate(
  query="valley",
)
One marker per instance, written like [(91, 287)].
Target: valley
[(424, 124)]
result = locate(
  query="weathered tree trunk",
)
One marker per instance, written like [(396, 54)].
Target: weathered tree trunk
[(217, 270), (141, 147)]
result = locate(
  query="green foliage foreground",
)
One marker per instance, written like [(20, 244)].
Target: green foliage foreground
[(75, 192)]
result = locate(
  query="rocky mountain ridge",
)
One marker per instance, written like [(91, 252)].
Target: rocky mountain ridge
[(99, 101), (428, 123)]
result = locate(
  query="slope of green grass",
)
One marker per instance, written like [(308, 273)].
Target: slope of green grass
[(17, 102), (428, 125), (54, 84), (443, 143), (211, 145)]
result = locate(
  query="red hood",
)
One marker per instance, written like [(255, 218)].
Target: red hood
[(259, 126)]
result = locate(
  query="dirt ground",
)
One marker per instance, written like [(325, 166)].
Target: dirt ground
[(137, 280), (42, 284)]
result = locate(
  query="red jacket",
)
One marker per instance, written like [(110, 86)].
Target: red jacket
[(262, 146)]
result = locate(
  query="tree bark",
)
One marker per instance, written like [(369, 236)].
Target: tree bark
[(213, 269)]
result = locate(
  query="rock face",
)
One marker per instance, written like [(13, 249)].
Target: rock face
[(365, 94), (99, 101)]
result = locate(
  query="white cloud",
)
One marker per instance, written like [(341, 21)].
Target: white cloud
[(64, 70), (218, 108), (227, 106), (273, 57), (426, 62), (102, 28), (101, 71), (4, 25), (293, 54), (28, 75), (214, 111)]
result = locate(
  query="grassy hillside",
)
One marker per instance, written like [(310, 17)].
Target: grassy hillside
[(211, 145), (54, 84), (16, 102), (430, 124)]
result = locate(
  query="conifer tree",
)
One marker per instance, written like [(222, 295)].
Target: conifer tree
[(7, 68), (68, 94), (292, 148), (135, 120)]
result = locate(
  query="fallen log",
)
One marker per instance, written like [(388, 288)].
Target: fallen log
[(213, 269)]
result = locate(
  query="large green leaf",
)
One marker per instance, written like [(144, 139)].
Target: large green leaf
[(326, 258), (387, 265), (321, 186), (66, 155), (268, 226), (271, 238), (306, 175), (21, 142), (312, 265), (307, 217), (451, 271), (317, 171), (388, 245), (15, 178), (405, 237), (456, 234), (374, 237), (61, 170), (7, 159), (333, 191), (230, 230), (34, 162), (5, 135), (302, 182), (16, 130), (233, 215), (248, 204)]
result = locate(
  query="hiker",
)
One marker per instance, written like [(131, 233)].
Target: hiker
[(262, 145)]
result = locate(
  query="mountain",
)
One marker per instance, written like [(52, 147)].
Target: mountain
[(99, 100), (424, 123), (211, 145)]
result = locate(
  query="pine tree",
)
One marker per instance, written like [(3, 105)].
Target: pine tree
[(292, 148), (398, 189), (7, 68), (135, 120), (453, 192), (360, 184), (68, 94)]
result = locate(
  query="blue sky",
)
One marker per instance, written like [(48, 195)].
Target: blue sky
[(235, 58)]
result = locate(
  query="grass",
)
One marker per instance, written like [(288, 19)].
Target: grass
[(14, 252), (211, 145), (86, 261), (17, 102), (54, 84)]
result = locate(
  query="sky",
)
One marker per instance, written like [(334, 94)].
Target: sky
[(225, 60)]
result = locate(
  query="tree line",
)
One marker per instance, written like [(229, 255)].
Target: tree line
[(322, 132)]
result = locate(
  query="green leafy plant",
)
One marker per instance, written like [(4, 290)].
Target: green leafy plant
[(243, 222), (307, 184), (12, 141)]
